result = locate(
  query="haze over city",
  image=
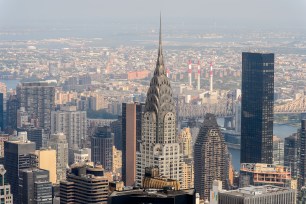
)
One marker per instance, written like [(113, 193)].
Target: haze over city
[(200, 102)]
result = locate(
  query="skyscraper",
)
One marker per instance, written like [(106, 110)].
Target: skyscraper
[(278, 151), (210, 157), (34, 186), (184, 139), (12, 106), (102, 147), (257, 108), (302, 153), (72, 123), (17, 157), (159, 147), (59, 143), (1, 112), (38, 136), (38, 99), (131, 137), (291, 154)]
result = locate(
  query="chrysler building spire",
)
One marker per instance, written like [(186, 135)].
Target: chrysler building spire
[(160, 67)]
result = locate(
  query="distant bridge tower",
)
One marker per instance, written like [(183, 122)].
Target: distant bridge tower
[(230, 116)]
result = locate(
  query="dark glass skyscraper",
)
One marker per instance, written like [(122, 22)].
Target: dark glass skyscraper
[(302, 155), (257, 108)]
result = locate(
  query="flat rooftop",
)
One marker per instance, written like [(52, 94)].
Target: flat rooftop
[(252, 191)]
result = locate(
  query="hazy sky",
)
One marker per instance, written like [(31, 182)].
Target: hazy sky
[(280, 13)]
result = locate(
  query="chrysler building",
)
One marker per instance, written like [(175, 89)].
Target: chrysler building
[(159, 146)]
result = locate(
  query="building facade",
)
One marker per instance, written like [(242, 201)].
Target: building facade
[(17, 157), (102, 147), (159, 146), (84, 185), (131, 131), (38, 99), (12, 106), (302, 155), (291, 156), (259, 174), (210, 157), (258, 195), (257, 108), (1, 111), (34, 186), (72, 123), (278, 151), (46, 159), (59, 143)]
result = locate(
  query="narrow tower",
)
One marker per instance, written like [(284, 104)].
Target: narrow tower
[(189, 73), (159, 147), (211, 78), (210, 157), (199, 76)]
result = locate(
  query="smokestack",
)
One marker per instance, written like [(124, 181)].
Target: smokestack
[(199, 76), (168, 73), (189, 73), (211, 78)]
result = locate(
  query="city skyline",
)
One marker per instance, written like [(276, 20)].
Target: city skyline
[(98, 105)]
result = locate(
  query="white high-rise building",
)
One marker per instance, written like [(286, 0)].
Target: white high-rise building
[(159, 146), (72, 123)]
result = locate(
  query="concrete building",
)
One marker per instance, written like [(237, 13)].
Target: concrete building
[(102, 147), (37, 135), (81, 155), (116, 127), (259, 174), (17, 157), (258, 195), (291, 157), (185, 141), (34, 186), (84, 184), (12, 106), (72, 123), (46, 159), (210, 157), (59, 143), (3, 138), (38, 99), (257, 108), (117, 161), (302, 154), (278, 151), (159, 146), (6, 196)]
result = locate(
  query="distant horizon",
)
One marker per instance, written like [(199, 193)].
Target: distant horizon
[(239, 15)]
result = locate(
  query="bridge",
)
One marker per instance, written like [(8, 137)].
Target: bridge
[(295, 106), (225, 108)]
